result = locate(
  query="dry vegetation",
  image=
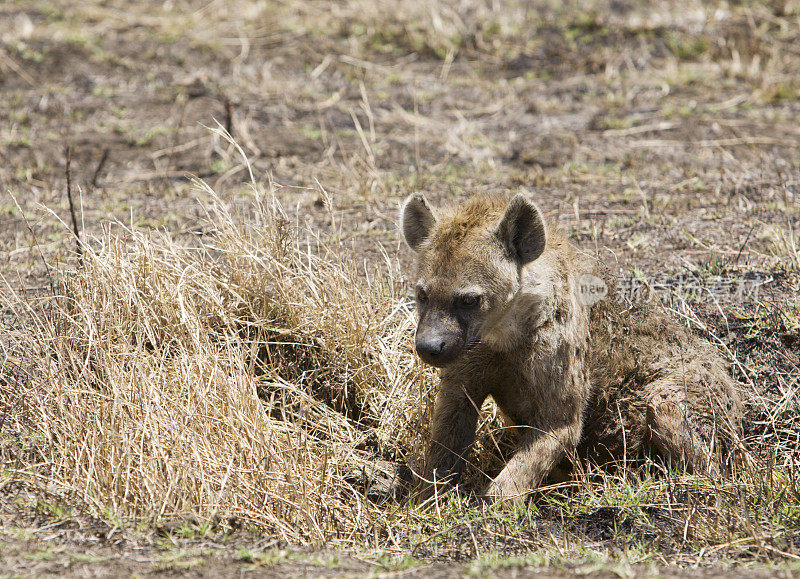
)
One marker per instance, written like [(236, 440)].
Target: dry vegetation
[(230, 359), (241, 378)]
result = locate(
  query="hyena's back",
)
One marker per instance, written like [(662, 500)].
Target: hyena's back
[(657, 389)]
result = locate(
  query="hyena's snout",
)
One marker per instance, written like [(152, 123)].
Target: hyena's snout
[(437, 342)]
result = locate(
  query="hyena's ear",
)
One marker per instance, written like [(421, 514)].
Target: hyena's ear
[(522, 230), (416, 220)]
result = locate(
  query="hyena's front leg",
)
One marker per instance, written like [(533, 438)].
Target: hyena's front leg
[(455, 418), (540, 451)]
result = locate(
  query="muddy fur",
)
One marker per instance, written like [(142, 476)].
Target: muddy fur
[(666, 390), (500, 312)]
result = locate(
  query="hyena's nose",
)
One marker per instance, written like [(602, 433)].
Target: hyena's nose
[(432, 349)]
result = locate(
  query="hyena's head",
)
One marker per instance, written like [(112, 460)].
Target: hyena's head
[(468, 267)]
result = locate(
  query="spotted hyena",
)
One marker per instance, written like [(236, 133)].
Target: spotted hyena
[(509, 308)]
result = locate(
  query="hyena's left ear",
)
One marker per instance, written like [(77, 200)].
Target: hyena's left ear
[(416, 220), (522, 230)]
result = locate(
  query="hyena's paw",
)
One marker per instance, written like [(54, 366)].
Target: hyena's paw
[(504, 488), (683, 438)]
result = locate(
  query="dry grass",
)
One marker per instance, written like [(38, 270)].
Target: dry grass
[(242, 377), (257, 377)]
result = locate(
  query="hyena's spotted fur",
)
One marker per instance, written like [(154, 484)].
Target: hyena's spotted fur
[(502, 314)]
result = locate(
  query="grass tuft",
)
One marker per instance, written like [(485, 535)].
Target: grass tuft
[(248, 377)]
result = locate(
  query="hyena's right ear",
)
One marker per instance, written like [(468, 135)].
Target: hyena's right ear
[(522, 230), (416, 220)]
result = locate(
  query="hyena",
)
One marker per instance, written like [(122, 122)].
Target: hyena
[(502, 313)]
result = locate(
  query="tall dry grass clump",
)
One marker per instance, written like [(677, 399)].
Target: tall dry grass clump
[(253, 375)]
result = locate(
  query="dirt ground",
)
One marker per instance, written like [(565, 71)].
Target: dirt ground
[(665, 138), (87, 547)]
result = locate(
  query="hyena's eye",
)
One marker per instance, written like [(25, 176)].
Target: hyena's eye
[(422, 297), (469, 301)]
